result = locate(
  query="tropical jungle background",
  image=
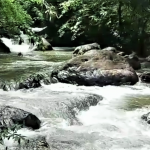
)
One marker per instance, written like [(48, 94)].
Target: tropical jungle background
[(124, 24)]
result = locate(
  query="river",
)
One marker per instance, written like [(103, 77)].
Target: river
[(113, 124)]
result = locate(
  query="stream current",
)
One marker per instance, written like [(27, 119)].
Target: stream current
[(113, 124)]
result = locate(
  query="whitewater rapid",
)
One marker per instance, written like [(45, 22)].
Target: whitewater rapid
[(114, 124)]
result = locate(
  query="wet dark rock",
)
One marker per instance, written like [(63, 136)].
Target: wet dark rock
[(4, 48), (134, 61), (105, 68), (68, 104), (11, 115), (146, 117), (33, 81), (20, 54), (145, 77), (68, 140), (80, 50)]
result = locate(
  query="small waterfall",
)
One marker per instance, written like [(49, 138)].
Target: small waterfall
[(24, 37), (24, 48)]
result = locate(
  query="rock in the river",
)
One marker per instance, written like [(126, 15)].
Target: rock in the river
[(80, 50), (146, 117), (46, 44), (33, 81), (4, 48), (107, 68), (145, 77), (10, 116), (133, 61), (110, 49)]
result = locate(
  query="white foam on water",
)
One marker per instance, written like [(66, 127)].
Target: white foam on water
[(118, 128), (24, 48)]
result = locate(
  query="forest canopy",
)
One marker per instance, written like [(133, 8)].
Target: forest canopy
[(124, 24)]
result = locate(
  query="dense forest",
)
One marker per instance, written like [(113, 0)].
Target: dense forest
[(124, 24)]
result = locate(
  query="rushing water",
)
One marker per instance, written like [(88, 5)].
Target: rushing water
[(113, 124)]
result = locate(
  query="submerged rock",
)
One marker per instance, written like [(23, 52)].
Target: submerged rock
[(80, 50), (11, 115), (53, 104), (20, 54), (105, 68)]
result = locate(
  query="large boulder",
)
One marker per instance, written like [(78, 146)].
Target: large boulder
[(105, 68), (10, 116), (80, 50)]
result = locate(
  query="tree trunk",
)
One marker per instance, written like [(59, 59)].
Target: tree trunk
[(120, 15), (141, 48)]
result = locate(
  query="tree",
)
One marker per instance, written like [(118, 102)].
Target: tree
[(12, 16), (119, 23)]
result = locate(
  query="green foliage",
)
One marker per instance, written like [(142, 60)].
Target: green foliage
[(120, 23), (11, 133), (124, 24), (13, 15)]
